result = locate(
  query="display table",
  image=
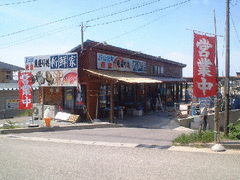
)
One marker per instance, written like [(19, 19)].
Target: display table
[(119, 110)]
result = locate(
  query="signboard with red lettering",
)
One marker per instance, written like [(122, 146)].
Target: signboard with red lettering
[(110, 62), (53, 70), (25, 90), (204, 70)]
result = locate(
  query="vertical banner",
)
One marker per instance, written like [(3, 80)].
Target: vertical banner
[(25, 90), (79, 99), (204, 70)]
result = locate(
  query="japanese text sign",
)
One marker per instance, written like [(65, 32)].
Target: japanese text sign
[(110, 62), (53, 70), (25, 90), (204, 70)]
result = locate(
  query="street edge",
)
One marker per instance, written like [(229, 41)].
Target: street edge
[(59, 128)]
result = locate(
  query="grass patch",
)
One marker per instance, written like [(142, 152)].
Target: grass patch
[(27, 112), (12, 125), (203, 137)]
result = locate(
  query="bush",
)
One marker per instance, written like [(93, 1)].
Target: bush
[(234, 131)]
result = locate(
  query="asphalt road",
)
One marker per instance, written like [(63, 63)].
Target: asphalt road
[(160, 137), (111, 153)]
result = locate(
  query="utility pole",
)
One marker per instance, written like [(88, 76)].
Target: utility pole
[(226, 85), (216, 116), (82, 37), (217, 147)]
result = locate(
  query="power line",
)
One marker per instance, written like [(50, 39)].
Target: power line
[(145, 24), (235, 3), (77, 25), (234, 27), (110, 22), (126, 10), (35, 37), (20, 2), (128, 32), (63, 19)]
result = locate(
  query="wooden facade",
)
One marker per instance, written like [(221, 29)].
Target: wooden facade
[(126, 92)]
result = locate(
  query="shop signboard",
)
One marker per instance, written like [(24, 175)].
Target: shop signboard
[(25, 90), (12, 104), (110, 62), (204, 70), (53, 70)]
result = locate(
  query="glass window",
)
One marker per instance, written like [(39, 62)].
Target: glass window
[(69, 97), (159, 69), (155, 69), (104, 96), (162, 70), (8, 75)]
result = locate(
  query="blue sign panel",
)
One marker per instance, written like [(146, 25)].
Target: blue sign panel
[(54, 62), (72, 61)]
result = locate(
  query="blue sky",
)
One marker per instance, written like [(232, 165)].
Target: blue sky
[(159, 31)]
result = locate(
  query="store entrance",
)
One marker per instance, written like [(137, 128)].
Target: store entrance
[(126, 99), (74, 100)]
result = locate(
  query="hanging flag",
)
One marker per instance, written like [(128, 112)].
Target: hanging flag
[(25, 90), (79, 99), (204, 70)]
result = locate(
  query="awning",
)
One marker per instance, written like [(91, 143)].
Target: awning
[(169, 79), (12, 87), (130, 77)]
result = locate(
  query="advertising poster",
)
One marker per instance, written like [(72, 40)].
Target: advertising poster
[(109, 62), (53, 70), (12, 104)]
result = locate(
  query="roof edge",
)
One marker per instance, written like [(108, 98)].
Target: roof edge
[(98, 45)]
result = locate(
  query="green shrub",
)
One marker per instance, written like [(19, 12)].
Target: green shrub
[(203, 137), (234, 131)]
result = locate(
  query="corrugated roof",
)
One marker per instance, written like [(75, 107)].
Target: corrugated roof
[(10, 67), (12, 87), (130, 77)]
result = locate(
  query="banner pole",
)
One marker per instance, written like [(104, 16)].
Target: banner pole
[(42, 103), (216, 116), (227, 67)]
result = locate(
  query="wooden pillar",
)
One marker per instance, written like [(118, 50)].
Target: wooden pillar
[(112, 102), (181, 91), (145, 97), (88, 97), (138, 94), (177, 92), (74, 100), (173, 92), (166, 95), (186, 92)]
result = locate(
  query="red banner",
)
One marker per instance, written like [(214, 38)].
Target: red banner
[(204, 70), (25, 90)]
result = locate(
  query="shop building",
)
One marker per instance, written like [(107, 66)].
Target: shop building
[(116, 81)]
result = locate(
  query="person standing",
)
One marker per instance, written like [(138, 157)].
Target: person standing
[(154, 101), (204, 113)]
